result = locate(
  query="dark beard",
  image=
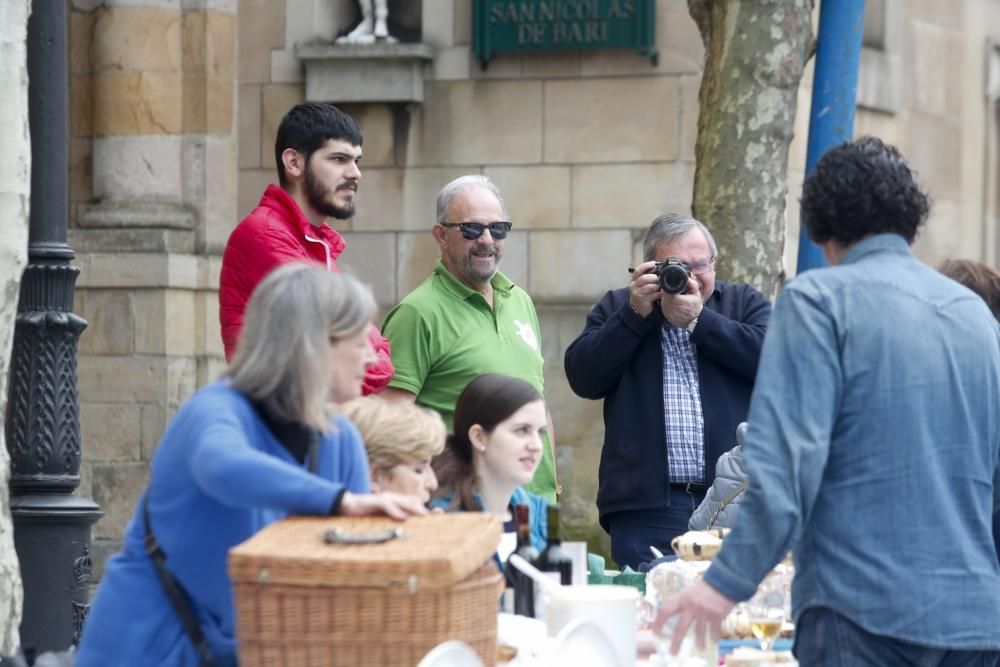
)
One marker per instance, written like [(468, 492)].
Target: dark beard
[(316, 196)]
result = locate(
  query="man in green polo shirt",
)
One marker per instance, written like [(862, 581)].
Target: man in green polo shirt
[(467, 318)]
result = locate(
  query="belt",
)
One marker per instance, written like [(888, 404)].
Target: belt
[(691, 487)]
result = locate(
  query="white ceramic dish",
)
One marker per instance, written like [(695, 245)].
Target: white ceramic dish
[(451, 654), (611, 608), (527, 635), (582, 643)]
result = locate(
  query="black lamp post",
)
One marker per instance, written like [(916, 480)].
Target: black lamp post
[(51, 525)]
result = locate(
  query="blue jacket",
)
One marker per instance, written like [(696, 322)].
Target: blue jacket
[(619, 358), (874, 452), (537, 509), (218, 477)]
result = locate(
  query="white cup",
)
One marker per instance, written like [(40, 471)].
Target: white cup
[(578, 552), (612, 608)]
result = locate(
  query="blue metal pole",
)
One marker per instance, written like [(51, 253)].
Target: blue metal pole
[(835, 87)]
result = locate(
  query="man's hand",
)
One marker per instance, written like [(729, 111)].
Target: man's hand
[(700, 606), (681, 309), (396, 505), (644, 289)]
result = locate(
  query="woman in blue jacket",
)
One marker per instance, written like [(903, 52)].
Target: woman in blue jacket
[(255, 447), (495, 448)]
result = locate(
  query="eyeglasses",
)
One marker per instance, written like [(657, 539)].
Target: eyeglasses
[(700, 267), (473, 230)]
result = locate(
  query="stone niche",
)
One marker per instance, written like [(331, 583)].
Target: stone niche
[(340, 67)]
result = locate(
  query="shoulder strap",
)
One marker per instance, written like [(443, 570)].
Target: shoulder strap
[(725, 501), (314, 452), (178, 598)]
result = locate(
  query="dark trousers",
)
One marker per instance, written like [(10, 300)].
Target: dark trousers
[(632, 533), (996, 533), (824, 638)]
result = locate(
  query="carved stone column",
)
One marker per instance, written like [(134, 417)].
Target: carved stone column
[(51, 525), (155, 196)]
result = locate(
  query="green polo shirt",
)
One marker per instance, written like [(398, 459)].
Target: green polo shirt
[(444, 334)]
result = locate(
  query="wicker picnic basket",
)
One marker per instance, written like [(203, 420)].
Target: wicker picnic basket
[(301, 601)]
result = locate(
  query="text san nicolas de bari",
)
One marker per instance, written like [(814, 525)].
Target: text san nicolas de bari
[(561, 22)]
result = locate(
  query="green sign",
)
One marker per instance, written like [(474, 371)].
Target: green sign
[(552, 25)]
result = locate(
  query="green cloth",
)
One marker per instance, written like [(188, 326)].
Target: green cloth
[(444, 334), (597, 575)]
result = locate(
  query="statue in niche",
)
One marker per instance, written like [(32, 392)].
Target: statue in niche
[(373, 26)]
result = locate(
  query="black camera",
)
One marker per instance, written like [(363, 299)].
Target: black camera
[(673, 275)]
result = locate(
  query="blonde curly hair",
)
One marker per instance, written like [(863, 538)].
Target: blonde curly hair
[(396, 432)]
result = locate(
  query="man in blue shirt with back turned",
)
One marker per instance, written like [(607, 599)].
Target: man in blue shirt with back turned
[(873, 444)]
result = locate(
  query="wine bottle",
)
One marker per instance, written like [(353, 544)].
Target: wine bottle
[(555, 558), (524, 587)]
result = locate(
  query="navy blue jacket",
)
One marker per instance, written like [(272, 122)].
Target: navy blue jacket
[(618, 357)]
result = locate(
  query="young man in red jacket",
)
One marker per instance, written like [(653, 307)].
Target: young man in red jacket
[(317, 151)]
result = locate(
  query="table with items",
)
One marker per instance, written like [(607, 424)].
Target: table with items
[(370, 590), (590, 630)]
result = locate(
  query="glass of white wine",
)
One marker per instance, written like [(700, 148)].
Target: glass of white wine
[(767, 615)]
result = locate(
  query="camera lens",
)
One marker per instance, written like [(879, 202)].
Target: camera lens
[(673, 279)]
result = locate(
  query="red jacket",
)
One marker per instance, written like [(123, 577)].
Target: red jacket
[(275, 233)]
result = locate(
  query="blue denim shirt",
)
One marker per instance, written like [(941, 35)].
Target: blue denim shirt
[(873, 451)]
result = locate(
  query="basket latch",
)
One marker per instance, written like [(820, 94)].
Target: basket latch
[(341, 536)]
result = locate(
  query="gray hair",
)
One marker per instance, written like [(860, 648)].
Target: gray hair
[(281, 361), (670, 227), (461, 184)]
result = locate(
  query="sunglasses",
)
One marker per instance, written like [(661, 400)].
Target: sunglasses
[(473, 230)]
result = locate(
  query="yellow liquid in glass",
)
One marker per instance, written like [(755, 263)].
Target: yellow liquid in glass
[(765, 628)]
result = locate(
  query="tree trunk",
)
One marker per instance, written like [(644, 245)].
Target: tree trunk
[(15, 182), (755, 52)]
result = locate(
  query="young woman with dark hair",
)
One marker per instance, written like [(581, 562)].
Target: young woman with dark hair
[(495, 448)]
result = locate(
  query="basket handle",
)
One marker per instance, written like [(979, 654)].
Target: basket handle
[(340, 536)]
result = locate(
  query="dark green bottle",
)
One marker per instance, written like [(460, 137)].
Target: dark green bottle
[(555, 558), (524, 587)]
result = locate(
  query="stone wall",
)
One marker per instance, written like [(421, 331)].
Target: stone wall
[(153, 178), (175, 106), (587, 147), (922, 87)]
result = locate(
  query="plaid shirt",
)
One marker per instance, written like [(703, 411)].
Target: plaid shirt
[(682, 415)]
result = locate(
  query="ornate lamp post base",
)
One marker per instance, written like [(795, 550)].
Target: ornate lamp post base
[(52, 538)]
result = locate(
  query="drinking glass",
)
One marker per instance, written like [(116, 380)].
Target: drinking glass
[(689, 654), (767, 614)]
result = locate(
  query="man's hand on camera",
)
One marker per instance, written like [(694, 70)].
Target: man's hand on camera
[(681, 309), (644, 289)]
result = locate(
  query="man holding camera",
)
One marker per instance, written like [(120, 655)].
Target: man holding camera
[(674, 356)]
